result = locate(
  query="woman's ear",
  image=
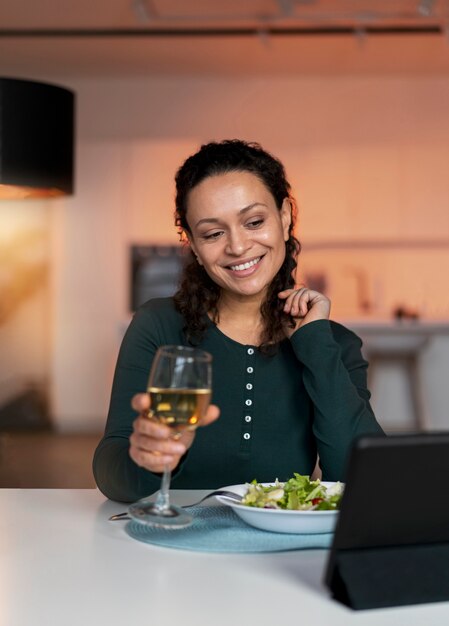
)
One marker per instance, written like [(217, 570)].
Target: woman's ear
[(286, 217)]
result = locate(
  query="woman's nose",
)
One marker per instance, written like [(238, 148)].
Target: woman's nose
[(237, 243)]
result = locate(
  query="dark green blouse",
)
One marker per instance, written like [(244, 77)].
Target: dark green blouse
[(277, 412)]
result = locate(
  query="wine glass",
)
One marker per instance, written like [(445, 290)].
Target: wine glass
[(180, 387)]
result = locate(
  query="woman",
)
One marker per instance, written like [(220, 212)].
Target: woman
[(288, 384)]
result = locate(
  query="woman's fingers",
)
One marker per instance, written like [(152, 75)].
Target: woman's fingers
[(153, 445), (151, 436), (296, 301), (152, 461), (145, 425), (213, 413), (140, 402), (148, 433), (305, 305)]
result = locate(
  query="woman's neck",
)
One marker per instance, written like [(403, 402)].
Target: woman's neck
[(240, 319)]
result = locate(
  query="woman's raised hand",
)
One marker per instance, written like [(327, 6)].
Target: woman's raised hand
[(152, 444), (304, 305)]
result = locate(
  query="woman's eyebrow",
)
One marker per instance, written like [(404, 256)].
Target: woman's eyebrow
[(214, 220)]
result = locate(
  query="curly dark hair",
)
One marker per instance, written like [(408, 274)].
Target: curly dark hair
[(198, 295)]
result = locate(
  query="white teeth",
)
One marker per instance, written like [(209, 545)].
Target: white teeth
[(245, 266)]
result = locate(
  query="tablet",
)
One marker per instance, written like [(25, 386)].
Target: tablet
[(396, 500)]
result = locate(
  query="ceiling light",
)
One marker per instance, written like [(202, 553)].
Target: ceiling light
[(36, 139)]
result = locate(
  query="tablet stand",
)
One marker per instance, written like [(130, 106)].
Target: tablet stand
[(391, 576)]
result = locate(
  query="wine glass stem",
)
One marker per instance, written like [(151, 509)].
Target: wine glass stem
[(162, 500)]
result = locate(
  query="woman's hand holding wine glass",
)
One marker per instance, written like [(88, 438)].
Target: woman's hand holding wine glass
[(179, 388), (153, 444)]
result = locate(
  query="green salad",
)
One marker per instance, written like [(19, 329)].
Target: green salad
[(297, 494)]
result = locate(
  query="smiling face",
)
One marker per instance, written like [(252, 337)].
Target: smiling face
[(237, 232)]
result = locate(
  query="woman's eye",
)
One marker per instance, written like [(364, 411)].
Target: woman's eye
[(255, 223), (212, 236)]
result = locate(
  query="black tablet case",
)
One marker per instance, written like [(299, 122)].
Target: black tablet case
[(391, 542)]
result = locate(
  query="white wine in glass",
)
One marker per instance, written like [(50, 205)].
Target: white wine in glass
[(180, 388), (181, 409)]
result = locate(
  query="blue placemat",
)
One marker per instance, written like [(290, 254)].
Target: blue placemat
[(219, 529)]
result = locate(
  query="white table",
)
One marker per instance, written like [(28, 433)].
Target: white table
[(62, 563)]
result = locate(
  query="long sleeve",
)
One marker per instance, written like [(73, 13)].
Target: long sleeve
[(335, 376), (116, 475)]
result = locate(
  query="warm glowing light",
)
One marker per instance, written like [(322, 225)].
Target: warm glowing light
[(13, 192)]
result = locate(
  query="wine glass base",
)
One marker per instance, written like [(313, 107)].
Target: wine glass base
[(151, 515)]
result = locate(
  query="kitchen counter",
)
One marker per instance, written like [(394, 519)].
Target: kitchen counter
[(373, 327), (409, 371)]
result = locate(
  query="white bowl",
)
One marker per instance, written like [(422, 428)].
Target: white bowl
[(280, 521)]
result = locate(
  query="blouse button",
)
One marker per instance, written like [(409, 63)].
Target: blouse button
[(249, 386), (248, 402), (246, 436), (247, 418), (250, 370), (250, 350)]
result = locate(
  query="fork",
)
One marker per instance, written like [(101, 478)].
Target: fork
[(219, 492)]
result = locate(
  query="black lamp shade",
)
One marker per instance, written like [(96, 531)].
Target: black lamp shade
[(36, 139)]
